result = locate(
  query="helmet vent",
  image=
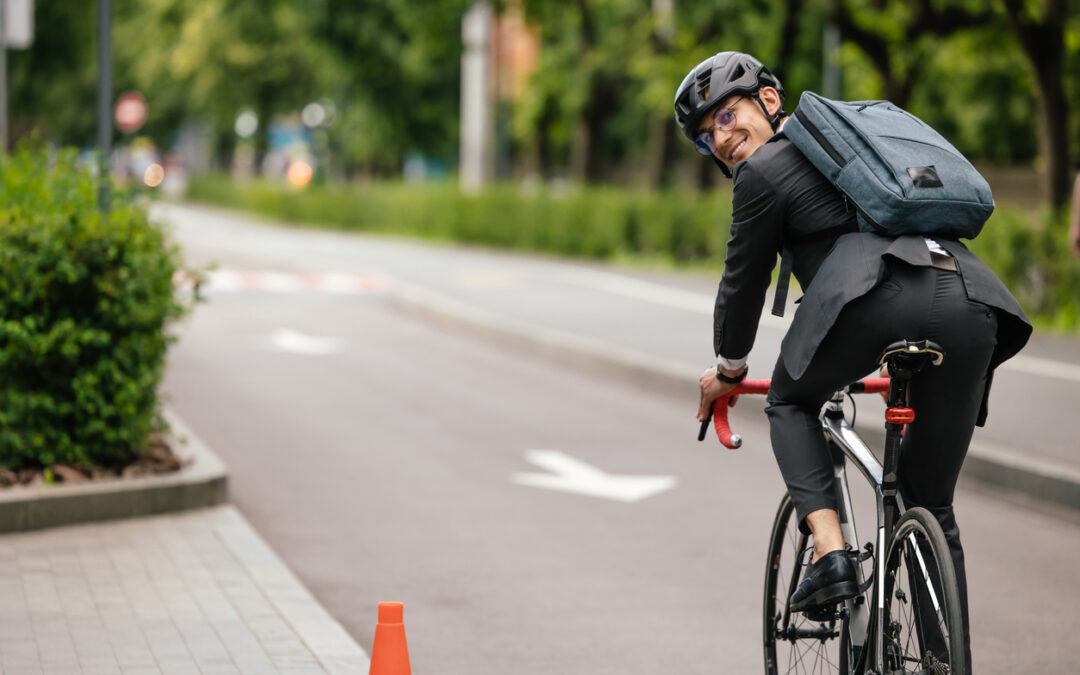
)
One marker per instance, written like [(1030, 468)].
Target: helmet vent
[(703, 86), (737, 72)]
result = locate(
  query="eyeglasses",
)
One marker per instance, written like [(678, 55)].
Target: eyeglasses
[(723, 119)]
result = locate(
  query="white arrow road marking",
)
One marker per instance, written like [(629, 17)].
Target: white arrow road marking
[(573, 475), (286, 340)]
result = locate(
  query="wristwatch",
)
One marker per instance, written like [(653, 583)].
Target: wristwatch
[(731, 380)]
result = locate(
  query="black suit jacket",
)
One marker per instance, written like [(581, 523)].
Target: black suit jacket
[(781, 199)]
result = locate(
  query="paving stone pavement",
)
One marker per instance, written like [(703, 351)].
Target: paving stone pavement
[(193, 592)]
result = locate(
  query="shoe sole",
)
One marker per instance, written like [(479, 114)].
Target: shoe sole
[(830, 595)]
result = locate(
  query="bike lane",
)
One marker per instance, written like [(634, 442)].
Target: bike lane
[(653, 327)]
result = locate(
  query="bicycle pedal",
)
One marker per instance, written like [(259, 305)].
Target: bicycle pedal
[(824, 613)]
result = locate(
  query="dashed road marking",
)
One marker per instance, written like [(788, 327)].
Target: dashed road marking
[(231, 281), (295, 342)]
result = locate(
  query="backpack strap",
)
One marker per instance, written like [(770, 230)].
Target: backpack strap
[(782, 281)]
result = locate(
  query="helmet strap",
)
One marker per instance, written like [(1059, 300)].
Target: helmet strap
[(774, 120), (723, 167)]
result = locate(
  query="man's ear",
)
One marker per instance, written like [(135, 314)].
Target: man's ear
[(771, 98)]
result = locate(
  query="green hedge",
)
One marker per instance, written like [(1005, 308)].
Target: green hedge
[(1030, 254), (593, 222), (1028, 251), (84, 301)]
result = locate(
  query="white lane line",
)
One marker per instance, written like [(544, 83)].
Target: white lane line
[(278, 282), (1036, 365), (658, 294), (700, 303)]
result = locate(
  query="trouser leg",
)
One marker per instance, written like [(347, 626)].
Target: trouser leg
[(946, 400), (795, 427)]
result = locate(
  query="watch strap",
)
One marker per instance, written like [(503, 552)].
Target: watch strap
[(731, 380)]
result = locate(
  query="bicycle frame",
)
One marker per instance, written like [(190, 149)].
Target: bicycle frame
[(846, 445), (841, 436)]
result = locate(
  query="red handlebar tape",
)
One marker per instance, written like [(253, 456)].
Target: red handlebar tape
[(871, 385)]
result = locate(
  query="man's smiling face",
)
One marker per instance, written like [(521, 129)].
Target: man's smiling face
[(751, 129)]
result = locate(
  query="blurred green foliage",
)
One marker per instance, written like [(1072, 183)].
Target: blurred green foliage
[(1029, 254), (598, 106), (591, 222), (84, 301)]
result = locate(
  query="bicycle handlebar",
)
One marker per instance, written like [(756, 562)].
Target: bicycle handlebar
[(719, 412)]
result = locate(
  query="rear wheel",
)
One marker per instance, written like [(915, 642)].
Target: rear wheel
[(923, 632), (795, 643)]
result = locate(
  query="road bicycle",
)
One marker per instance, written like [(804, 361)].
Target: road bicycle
[(906, 618)]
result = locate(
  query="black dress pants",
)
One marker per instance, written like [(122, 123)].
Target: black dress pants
[(912, 303)]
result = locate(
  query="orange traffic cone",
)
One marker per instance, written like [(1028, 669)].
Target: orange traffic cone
[(389, 653)]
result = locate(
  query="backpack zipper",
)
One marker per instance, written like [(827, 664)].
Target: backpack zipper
[(820, 138), (840, 161)]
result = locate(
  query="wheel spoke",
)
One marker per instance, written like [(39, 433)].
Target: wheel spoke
[(923, 621), (795, 645)]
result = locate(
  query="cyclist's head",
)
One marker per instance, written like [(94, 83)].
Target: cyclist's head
[(719, 84)]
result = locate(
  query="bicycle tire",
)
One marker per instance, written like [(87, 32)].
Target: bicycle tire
[(923, 633), (793, 642)]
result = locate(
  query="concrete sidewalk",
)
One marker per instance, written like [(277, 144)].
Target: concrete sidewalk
[(194, 592)]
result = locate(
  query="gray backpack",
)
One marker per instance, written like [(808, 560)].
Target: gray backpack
[(902, 176)]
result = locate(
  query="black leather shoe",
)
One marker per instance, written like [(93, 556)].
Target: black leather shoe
[(826, 582)]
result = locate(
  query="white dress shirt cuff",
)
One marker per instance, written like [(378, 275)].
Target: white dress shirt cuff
[(731, 364)]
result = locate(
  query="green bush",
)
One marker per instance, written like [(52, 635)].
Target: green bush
[(1031, 256), (84, 301)]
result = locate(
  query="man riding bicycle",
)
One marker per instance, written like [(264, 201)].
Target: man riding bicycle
[(862, 291)]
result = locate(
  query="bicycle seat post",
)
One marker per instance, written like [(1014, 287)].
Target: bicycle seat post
[(904, 359)]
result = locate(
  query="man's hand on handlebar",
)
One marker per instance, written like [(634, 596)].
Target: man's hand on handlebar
[(712, 389)]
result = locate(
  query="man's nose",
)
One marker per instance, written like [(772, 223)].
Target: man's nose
[(720, 137)]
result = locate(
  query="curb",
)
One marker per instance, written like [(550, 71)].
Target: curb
[(203, 482), (1044, 480), (668, 377)]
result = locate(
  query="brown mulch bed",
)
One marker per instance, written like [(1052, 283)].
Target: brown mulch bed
[(158, 459)]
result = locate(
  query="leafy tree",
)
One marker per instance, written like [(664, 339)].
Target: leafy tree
[(898, 36), (52, 85), (1040, 29)]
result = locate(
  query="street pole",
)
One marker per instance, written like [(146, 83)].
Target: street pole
[(832, 82), (104, 128), (3, 79), (476, 112)]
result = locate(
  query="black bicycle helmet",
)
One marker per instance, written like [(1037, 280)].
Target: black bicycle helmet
[(717, 78)]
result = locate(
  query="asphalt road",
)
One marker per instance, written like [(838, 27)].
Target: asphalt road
[(380, 454)]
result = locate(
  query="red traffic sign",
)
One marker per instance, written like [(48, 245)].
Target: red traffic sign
[(130, 112)]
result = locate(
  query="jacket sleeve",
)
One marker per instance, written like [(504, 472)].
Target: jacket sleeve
[(757, 223)]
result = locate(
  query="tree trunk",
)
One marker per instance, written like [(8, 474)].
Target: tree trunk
[(789, 34), (579, 151), (1054, 132), (656, 151), (1043, 42)]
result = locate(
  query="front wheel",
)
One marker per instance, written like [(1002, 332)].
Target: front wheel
[(793, 642), (924, 631)]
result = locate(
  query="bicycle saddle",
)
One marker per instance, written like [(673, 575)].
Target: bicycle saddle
[(912, 355)]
